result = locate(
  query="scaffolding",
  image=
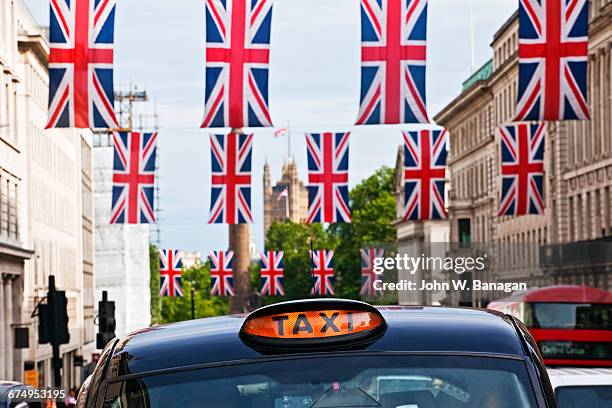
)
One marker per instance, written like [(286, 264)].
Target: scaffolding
[(124, 105), (125, 98)]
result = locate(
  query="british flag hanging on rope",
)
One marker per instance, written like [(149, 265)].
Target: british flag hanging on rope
[(522, 169), (553, 48), (272, 273), (81, 36), (237, 63), (133, 178), (170, 272), (221, 273), (393, 54), (368, 275), (424, 174), (322, 272), (230, 201), (328, 161)]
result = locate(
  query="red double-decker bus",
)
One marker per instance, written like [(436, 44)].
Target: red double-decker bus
[(572, 324)]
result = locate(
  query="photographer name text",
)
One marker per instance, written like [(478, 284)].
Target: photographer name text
[(457, 284)]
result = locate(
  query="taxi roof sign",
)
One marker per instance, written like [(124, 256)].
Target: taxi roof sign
[(311, 323)]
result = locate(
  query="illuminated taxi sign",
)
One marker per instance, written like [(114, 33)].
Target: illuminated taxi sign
[(309, 323)]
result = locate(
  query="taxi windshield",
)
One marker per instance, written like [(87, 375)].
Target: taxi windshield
[(397, 381)]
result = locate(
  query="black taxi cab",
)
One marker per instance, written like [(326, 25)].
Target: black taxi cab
[(323, 354)]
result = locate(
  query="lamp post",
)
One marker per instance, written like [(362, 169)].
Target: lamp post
[(239, 244)]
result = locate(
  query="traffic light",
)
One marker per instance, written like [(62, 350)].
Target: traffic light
[(44, 335), (53, 326), (53, 319), (59, 308), (106, 321)]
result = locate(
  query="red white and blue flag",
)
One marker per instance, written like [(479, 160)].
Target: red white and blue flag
[(81, 36), (522, 169), (237, 63), (322, 272), (272, 273), (170, 272), (328, 162), (425, 154), (553, 49), (231, 157), (134, 178), (368, 276), (393, 55), (221, 273)]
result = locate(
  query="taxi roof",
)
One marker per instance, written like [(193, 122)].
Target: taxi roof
[(409, 329)]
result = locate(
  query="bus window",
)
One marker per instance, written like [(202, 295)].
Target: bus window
[(572, 316)]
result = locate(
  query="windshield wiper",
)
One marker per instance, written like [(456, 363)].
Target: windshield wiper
[(345, 397)]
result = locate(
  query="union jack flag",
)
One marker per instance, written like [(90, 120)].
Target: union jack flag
[(393, 54), (522, 153), (230, 201), (134, 178), (221, 273), (322, 272), (553, 48), (170, 272), (368, 276), (237, 63), (424, 174), (81, 36), (328, 155), (272, 273)]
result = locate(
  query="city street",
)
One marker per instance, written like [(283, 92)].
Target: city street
[(200, 203)]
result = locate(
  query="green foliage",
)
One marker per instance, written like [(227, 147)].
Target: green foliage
[(154, 284), (373, 211), (295, 240), (175, 309)]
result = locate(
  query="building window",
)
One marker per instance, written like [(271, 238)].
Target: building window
[(465, 234), (608, 210), (600, 229), (3, 206), (588, 216), (579, 218)]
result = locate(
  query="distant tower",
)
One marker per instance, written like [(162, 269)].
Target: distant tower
[(288, 199)]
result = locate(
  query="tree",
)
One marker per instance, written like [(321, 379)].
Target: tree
[(373, 211), (175, 309), (154, 284), (295, 240)]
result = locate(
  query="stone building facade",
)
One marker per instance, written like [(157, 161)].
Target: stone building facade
[(14, 248), (578, 165), (46, 213), (280, 206), (416, 238)]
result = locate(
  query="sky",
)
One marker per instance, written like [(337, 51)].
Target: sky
[(314, 86)]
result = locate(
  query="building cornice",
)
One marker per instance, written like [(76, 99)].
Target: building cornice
[(602, 21), (13, 249), (37, 44), (466, 97), (507, 24)]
